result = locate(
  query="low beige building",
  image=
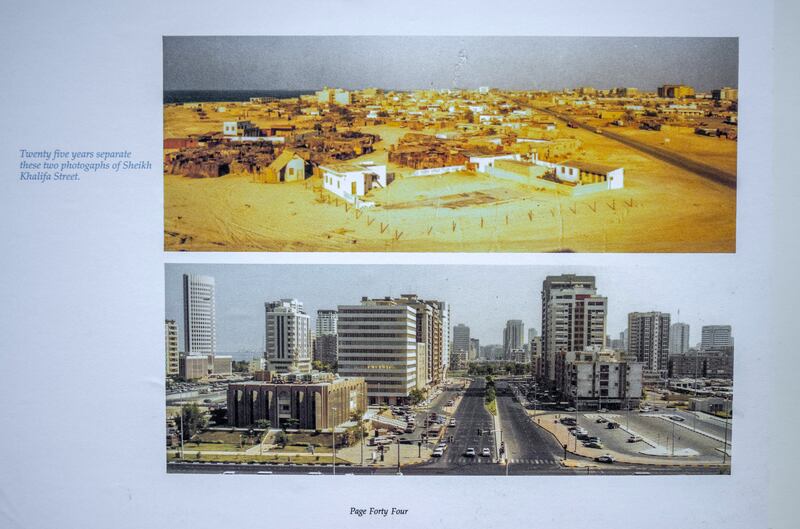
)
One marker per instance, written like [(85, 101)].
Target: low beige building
[(316, 401)]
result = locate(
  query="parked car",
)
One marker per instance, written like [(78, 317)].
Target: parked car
[(470, 452), (601, 420), (634, 439), (676, 418), (452, 423), (605, 458), (611, 425), (592, 444)]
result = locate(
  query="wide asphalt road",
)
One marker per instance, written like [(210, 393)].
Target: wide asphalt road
[(706, 171), (529, 448), (471, 416)]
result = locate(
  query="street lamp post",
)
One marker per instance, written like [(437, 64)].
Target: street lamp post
[(398, 455), (725, 445), (333, 438), (181, 432)]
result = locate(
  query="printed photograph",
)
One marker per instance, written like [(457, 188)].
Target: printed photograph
[(450, 144), (448, 370)]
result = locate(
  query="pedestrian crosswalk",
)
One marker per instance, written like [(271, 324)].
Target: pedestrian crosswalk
[(520, 461), (532, 461)]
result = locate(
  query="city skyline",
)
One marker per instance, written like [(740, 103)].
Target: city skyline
[(490, 301), (407, 63)]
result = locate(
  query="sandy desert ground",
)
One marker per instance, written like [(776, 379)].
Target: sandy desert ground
[(661, 209)]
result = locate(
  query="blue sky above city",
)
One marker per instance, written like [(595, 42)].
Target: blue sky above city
[(405, 63), (482, 297)]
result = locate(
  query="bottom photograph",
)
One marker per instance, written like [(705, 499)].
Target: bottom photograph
[(448, 369)]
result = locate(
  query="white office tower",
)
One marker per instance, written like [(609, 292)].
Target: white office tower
[(326, 322), (513, 337), (287, 338), (716, 337), (679, 338), (198, 315), (377, 340), (573, 319), (648, 339)]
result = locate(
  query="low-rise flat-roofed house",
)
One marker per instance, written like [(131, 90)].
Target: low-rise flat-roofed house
[(287, 167), (591, 173), (519, 171), (351, 181), (483, 163), (240, 128)]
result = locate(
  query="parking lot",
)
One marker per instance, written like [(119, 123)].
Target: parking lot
[(660, 436)]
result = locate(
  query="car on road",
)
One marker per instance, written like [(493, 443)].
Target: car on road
[(634, 439), (228, 472), (470, 452), (605, 458), (452, 423), (593, 444), (570, 409), (603, 410), (611, 425), (601, 420), (438, 453), (442, 446), (451, 402), (486, 452), (409, 428)]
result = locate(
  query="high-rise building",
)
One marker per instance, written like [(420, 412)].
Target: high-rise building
[(648, 340), (326, 322), (171, 347), (378, 341), (324, 341), (474, 349), (287, 337), (716, 337), (325, 349), (198, 315), (461, 339), (678, 338), (433, 319), (513, 337), (532, 334), (573, 319), (444, 311)]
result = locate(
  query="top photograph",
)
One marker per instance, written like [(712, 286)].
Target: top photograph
[(450, 144)]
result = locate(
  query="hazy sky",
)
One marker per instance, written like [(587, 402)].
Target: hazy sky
[(482, 297), (515, 63)]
